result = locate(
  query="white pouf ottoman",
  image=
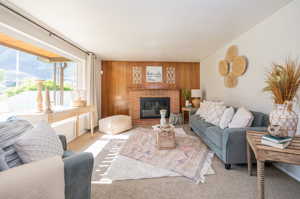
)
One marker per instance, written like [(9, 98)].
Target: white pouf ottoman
[(115, 124)]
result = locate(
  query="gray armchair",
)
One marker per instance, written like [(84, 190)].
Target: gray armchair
[(78, 173)]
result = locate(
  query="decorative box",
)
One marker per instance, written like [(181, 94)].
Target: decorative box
[(165, 138)]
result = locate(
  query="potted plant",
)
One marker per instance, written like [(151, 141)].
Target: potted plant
[(186, 93), (283, 82)]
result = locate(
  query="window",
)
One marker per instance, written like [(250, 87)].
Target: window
[(18, 72)]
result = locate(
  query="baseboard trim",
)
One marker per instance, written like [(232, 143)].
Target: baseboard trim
[(287, 172)]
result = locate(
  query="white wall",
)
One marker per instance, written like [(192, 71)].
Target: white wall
[(273, 40)]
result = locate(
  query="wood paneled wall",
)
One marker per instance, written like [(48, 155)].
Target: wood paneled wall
[(116, 80)]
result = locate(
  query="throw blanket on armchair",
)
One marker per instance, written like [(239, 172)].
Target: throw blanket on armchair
[(37, 180)]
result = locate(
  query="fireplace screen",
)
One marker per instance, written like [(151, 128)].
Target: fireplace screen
[(150, 106)]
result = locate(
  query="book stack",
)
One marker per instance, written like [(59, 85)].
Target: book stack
[(278, 142)]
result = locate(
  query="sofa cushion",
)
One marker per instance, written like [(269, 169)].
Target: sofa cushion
[(215, 134), (199, 123), (260, 119)]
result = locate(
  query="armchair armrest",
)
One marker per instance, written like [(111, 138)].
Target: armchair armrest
[(234, 144), (78, 174), (63, 141), (39, 179)]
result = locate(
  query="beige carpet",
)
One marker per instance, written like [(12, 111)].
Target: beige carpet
[(226, 184)]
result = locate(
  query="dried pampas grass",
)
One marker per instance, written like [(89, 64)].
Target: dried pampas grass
[(283, 81)]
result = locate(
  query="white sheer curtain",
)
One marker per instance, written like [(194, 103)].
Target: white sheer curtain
[(92, 80)]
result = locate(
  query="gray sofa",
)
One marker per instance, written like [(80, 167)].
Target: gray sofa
[(78, 173), (228, 144)]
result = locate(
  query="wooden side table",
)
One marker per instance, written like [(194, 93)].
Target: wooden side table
[(187, 109), (290, 155)]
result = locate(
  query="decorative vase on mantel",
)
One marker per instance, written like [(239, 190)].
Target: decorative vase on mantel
[(283, 120)]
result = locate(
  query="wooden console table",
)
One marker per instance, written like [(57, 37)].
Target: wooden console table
[(60, 114), (290, 155)]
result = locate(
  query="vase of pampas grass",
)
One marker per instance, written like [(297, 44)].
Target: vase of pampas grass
[(283, 82)]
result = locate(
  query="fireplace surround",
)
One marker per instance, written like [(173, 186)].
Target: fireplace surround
[(135, 96)]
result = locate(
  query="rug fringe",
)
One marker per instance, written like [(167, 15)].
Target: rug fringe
[(206, 166)]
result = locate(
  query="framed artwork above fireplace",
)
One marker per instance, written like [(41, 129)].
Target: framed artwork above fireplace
[(154, 74)]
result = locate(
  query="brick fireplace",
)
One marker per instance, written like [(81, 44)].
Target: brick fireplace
[(136, 94)]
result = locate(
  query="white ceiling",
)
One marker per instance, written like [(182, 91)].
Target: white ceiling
[(166, 30)]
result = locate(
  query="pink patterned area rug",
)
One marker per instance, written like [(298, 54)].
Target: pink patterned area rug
[(191, 158)]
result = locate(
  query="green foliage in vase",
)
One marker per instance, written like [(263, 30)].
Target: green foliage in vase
[(186, 93)]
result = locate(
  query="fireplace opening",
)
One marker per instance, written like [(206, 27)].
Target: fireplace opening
[(150, 107)]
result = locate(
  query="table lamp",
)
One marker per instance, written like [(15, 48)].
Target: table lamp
[(196, 94)]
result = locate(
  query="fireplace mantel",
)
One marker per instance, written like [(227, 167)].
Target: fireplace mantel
[(145, 88)]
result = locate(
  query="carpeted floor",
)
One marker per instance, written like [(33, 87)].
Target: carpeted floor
[(225, 184)]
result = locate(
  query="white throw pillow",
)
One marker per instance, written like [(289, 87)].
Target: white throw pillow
[(215, 114), (226, 117), (241, 119), (210, 108), (206, 107), (201, 109), (38, 143)]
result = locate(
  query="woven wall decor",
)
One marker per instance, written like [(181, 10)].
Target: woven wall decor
[(239, 65), (223, 67), (232, 67), (230, 81), (231, 53), (136, 75), (170, 75)]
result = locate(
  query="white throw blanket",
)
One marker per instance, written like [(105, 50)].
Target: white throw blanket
[(37, 180)]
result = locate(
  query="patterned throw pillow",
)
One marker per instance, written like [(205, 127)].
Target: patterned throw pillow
[(10, 130), (242, 118), (38, 143), (226, 117), (206, 107), (215, 114)]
